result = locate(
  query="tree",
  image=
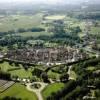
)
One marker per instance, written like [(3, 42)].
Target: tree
[(45, 77), (11, 98), (97, 83), (76, 29), (37, 72), (64, 78), (4, 75)]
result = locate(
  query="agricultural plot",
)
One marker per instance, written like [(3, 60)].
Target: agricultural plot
[(16, 70), (20, 21), (55, 17), (5, 85), (95, 30), (18, 91), (34, 34)]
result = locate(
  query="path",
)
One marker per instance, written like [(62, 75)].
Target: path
[(37, 91), (69, 72)]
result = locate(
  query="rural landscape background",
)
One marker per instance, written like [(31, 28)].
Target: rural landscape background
[(50, 50)]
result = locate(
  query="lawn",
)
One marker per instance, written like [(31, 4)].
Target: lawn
[(53, 75), (73, 75), (91, 68), (52, 88), (5, 66), (19, 91), (21, 73)]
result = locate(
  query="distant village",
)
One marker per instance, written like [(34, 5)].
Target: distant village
[(47, 56)]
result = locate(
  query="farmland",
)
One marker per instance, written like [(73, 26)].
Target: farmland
[(34, 34), (15, 70), (20, 21), (18, 90), (4, 85), (55, 17)]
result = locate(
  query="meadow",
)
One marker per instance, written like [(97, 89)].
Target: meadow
[(55, 17), (52, 88), (20, 21), (33, 34), (19, 91), (16, 70)]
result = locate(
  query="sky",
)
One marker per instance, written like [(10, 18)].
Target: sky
[(35, 1), (29, 0), (49, 1)]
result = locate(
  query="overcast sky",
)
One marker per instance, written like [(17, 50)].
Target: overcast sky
[(49, 1), (29, 0), (52, 1)]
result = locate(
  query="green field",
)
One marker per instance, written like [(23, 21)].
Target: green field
[(95, 30), (53, 75), (55, 17), (52, 88), (91, 68), (15, 22), (20, 21), (20, 72), (5, 66), (19, 91), (34, 34), (73, 75)]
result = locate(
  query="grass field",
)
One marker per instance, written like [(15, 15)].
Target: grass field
[(91, 68), (73, 75), (21, 72), (34, 34), (5, 66), (19, 91), (53, 75), (15, 22), (20, 21), (55, 17), (95, 30), (52, 88)]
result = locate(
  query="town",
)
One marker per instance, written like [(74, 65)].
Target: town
[(61, 55)]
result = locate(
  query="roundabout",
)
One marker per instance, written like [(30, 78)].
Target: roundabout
[(37, 87)]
